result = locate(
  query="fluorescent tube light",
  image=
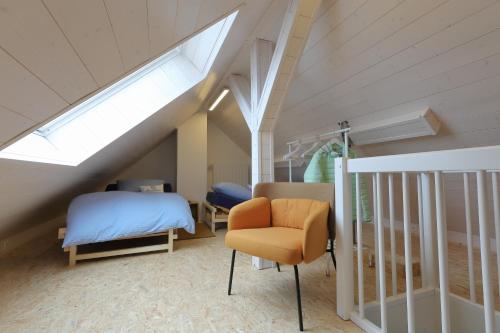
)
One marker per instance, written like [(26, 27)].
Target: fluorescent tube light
[(219, 99)]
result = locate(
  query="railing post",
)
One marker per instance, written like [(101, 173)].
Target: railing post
[(381, 255), (343, 228), (444, 289), (470, 249), (484, 237), (429, 274), (394, 273), (375, 236), (359, 237)]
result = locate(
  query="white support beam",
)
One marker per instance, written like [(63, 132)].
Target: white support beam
[(240, 89), (262, 157), (291, 41), (261, 55)]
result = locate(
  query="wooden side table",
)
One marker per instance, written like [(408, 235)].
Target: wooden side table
[(194, 205)]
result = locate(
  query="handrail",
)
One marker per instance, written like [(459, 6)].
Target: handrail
[(458, 160)]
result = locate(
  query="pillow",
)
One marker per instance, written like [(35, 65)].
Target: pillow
[(233, 190), (152, 188), (133, 185)]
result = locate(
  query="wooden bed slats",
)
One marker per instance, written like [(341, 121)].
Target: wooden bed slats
[(74, 256), (215, 214)]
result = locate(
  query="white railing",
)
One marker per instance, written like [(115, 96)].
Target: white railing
[(430, 169)]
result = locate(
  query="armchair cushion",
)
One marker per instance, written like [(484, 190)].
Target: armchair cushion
[(316, 233), (254, 213), (279, 244)]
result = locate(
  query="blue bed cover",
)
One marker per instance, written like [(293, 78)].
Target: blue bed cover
[(106, 216)]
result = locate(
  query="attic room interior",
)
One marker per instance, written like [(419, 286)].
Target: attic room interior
[(250, 166)]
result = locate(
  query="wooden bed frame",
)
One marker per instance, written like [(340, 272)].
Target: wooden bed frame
[(74, 256), (215, 214)]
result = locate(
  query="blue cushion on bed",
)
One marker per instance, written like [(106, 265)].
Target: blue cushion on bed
[(233, 190), (134, 185)]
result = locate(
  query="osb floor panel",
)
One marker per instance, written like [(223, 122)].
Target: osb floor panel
[(186, 291), (181, 292)]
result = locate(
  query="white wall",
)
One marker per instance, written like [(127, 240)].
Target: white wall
[(192, 158), (159, 163), (221, 149)]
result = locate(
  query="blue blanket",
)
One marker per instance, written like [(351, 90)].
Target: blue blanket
[(105, 216)]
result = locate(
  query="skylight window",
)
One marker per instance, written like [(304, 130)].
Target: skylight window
[(91, 125)]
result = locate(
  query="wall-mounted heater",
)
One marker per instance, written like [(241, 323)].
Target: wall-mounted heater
[(410, 125)]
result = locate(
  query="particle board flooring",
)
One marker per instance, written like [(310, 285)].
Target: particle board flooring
[(181, 292), (186, 291)]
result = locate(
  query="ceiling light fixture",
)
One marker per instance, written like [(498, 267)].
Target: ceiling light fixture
[(219, 99)]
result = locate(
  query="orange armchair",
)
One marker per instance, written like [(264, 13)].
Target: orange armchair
[(288, 223)]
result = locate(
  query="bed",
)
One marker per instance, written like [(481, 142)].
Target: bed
[(124, 213), (221, 199)]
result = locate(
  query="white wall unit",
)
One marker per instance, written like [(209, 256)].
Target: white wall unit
[(410, 125)]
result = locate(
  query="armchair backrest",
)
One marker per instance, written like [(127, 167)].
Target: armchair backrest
[(314, 191), (292, 213)]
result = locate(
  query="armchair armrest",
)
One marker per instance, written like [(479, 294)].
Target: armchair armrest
[(254, 213), (316, 233)]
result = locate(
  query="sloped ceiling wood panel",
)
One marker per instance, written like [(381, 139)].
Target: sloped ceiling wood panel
[(28, 33), (161, 15), (129, 19), (211, 10), (12, 124), (87, 27), (184, 23), (15, 81)]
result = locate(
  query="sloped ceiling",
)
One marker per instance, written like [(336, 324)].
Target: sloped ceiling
[(54, 53), (367, 60)]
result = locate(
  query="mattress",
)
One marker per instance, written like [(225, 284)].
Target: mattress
[(223, 200)]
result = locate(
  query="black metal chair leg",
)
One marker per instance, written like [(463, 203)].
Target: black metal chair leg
[(330, 235), (299, 303), (333, 256), (231, 273), (278, 266)]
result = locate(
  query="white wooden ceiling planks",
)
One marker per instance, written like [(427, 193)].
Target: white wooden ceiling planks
[(23, 93), (28, 33), (11, 124), (161, 15), (188, 12), (129, 19), (350, 97), (88, 29), (212, 10)]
